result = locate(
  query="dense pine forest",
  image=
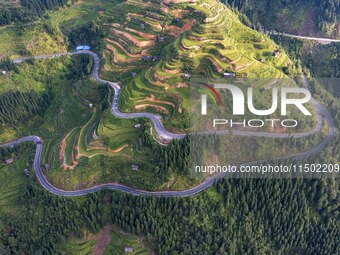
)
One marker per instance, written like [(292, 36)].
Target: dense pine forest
[(235, 217), (27, 10), (325, 14), (17, 107)]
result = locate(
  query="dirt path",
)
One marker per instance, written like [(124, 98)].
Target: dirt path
[(153, 100), (144, 35), (62, 156), (178, 1), (101, 153), (157, 107), (102, 240)]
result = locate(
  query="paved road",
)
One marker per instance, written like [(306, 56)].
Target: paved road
[(318, 39), (160, 129), (321, 112)]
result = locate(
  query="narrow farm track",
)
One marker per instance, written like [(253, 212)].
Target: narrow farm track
[(321, 111)]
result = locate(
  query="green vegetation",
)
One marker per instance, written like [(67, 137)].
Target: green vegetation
[(312, 17), (120, 240), (235, 216), (206, 47), (100, 148), (79, 246), (12, 176), (26, 10)]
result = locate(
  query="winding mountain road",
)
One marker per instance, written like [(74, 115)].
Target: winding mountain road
[(320, 110), (310, 38)]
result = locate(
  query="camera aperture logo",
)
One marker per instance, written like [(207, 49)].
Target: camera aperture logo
[(303, 96)]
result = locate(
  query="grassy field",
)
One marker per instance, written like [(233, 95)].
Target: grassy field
[(111, 240), (121, 239)]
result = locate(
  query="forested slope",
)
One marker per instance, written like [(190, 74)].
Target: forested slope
[(297, 16), (235, 217), (26, 10)]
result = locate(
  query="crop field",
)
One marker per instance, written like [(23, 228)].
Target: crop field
[(147, 47), (150, 46), (71, 142), (117, 132)]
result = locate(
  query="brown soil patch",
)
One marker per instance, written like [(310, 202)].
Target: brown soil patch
[(178, 1), (240, 67), (170, 71), (182, 85), (62, 154), (179, 13), (138, 3), (144, 35), (115, 67), (103, 239), (157, 107), (101, 148), (128, 53), (176, 31), (134, 15), (132, 39), (152, 99), (215, 64)]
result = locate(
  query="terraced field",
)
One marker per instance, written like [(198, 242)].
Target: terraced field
[(150, 48), (12, 180), (153, 48)]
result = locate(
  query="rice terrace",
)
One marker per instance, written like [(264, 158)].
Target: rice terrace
[(170, 127), (151, 55)]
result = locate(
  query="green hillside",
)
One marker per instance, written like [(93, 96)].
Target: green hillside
[(147, 47)]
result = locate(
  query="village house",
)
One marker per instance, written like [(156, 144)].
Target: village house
[(134, 167), (160, 38), (9, 161), (146, 57), (277, 53), (27, 172), (261, 60), (154, 58), (186, 76), (128, 249), (229, 75)]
